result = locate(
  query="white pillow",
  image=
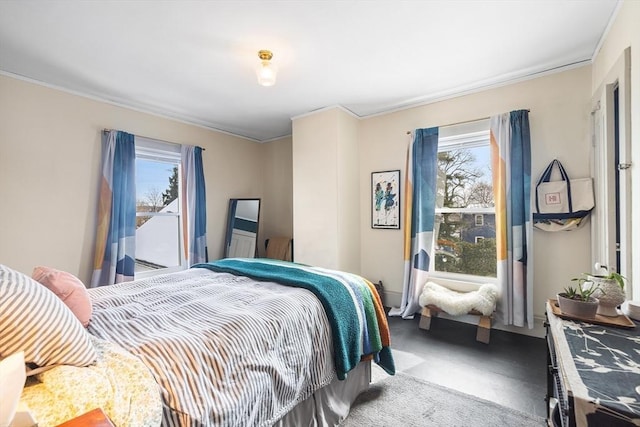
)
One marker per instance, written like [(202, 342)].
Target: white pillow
[(34, 320)]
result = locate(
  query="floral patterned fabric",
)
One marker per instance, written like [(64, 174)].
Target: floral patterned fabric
[(118, 382), (605, 374)]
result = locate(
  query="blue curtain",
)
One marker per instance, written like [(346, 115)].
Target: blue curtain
[(194, 205), (420, 204), (114, 259), (511, 169)]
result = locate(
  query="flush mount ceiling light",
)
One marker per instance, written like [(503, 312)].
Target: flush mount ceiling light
[(266, 71)]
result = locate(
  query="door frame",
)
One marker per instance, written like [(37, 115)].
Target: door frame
[(604, 248)]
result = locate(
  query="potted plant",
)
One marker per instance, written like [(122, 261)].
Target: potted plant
[(609, 290), (579, 301)]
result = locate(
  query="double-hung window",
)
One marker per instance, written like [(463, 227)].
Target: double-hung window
[(158, 208), (464, 230)]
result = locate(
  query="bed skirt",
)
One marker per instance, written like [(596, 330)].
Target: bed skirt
[(330, 405)]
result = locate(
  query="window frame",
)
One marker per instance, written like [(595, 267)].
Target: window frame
[(605, 248), (467, 135), (163, 152)]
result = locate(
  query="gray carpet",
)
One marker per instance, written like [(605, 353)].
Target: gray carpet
[(403, 401)]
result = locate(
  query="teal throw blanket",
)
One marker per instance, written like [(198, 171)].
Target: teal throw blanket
[(346, 298)]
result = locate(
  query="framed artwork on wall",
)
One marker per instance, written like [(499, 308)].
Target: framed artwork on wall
[(385, 199)]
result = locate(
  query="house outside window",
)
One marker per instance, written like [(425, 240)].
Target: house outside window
[(158, 208), (465, 233)]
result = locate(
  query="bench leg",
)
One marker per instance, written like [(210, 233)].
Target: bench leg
[(425, 318), (484, 329)]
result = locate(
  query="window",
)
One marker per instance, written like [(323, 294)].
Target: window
[(465, 210), (158, 215)]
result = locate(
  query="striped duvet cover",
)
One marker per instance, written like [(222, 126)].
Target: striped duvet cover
[(356, 316), (226, 350)]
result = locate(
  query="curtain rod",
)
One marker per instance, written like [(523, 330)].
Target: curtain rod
[(148, 137), (464, 122)]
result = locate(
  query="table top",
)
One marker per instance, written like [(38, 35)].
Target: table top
[(601, 370), (94, 418)]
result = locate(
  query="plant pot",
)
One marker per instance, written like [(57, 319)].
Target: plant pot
[(578, 308), (609, 295)]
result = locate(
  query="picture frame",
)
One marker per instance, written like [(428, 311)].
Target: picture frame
[(385, 199)]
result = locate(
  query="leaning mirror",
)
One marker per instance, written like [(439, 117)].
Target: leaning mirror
[(242, 228)]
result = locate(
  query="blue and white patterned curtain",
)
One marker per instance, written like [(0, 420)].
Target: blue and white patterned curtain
[(114, 259), (194, 205), (511, 168), (420, 206)]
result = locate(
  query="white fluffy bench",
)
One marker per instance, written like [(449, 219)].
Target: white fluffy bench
[(481, 302)]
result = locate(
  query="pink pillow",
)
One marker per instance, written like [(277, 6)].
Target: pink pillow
[(69, 289)]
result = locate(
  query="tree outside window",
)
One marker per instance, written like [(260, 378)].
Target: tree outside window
[(465, 212)]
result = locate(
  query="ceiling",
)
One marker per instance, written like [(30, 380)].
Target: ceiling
[(195, 60)]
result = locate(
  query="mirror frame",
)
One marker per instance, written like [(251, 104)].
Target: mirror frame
[(231, 220)]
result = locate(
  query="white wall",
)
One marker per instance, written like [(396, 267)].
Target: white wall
[(315, 183), (50, 152), (348, 193), (559, 118), (277, 205), (325, 190)]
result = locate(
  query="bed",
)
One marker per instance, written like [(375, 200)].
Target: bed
[(236, 342)]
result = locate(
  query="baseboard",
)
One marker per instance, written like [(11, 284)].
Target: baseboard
[(394, 299)]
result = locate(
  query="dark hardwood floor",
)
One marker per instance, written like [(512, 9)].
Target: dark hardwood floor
[(510, 370)]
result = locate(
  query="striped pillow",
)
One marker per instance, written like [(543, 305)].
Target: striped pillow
[(33, 319)]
